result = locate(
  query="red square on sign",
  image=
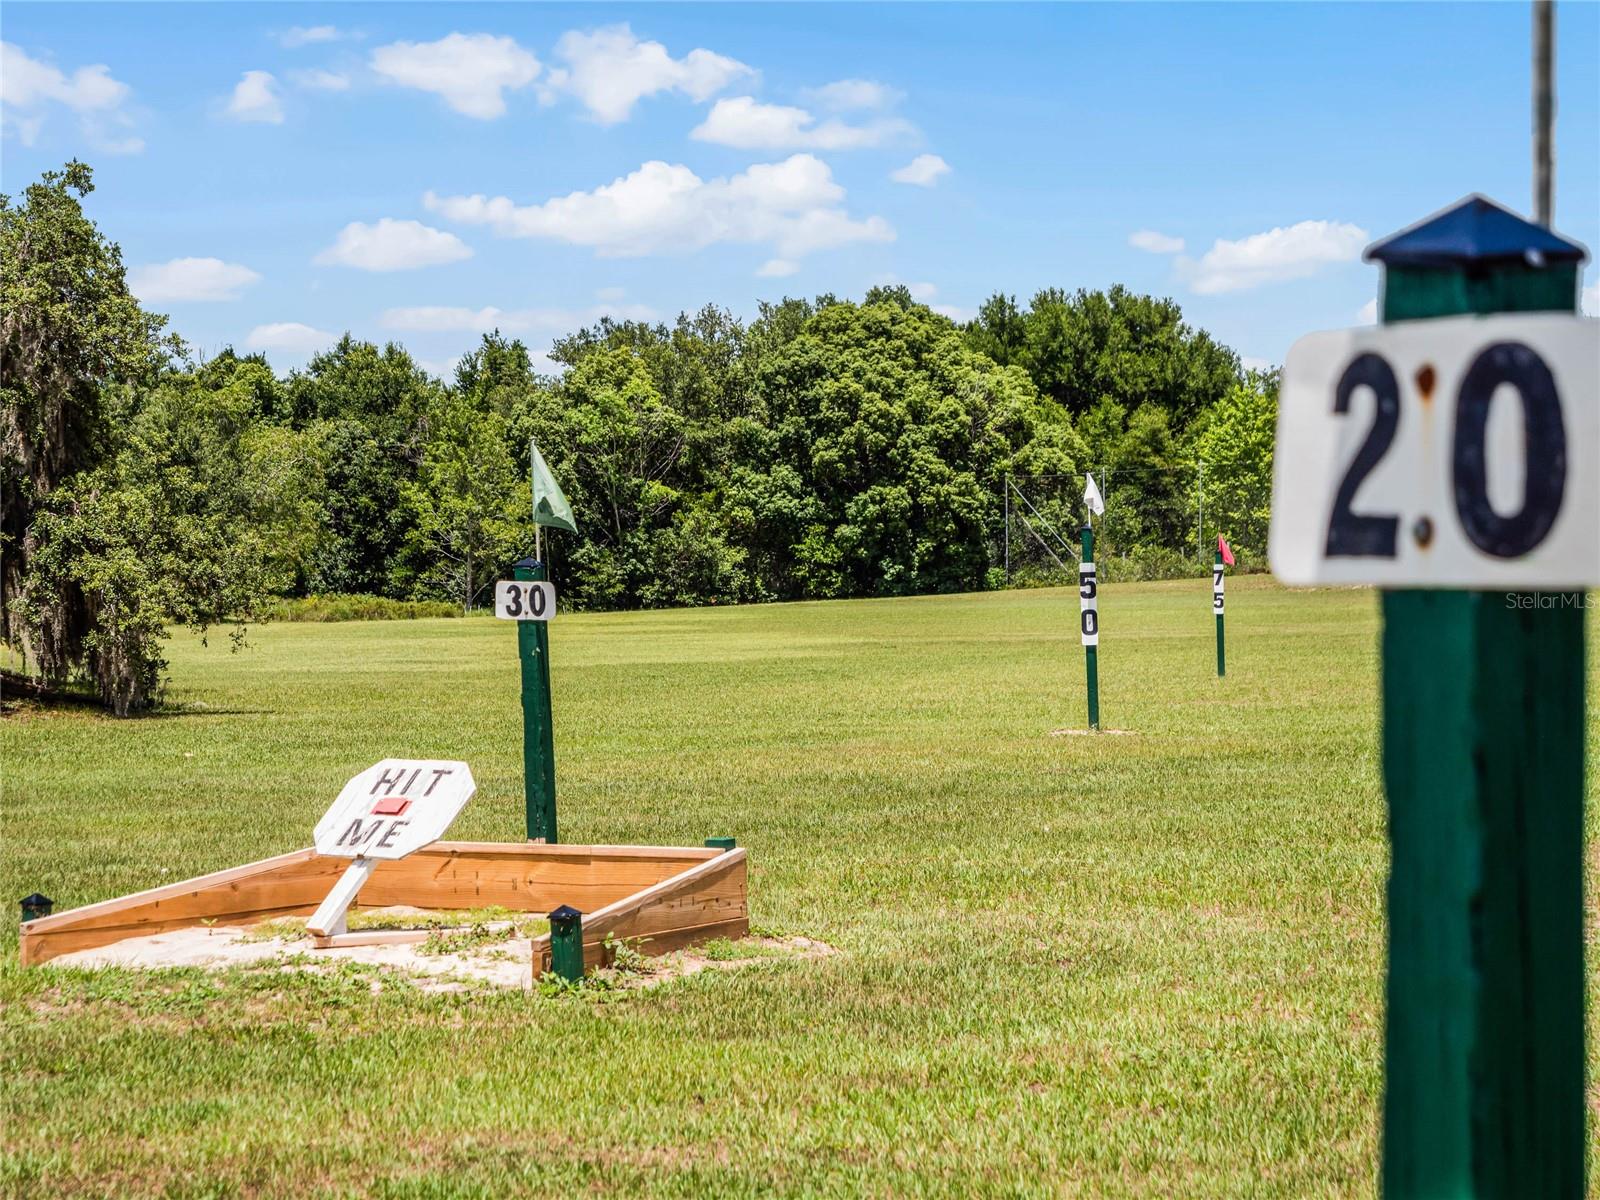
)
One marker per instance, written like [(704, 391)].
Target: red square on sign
[(390, 806)]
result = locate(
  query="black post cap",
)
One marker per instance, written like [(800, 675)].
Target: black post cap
[(36, 906), (565, 913), (1474, 230)]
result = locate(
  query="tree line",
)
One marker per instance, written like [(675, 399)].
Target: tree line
[(827, 448)]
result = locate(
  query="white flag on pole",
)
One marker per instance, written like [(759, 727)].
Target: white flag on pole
[(1092, 499)]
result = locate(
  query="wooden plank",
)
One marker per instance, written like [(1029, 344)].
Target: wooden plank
[(42, 947), (675, 912), (521, 882), (136, 900)]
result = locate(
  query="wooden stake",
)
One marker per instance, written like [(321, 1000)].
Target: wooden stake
[(329, 917)]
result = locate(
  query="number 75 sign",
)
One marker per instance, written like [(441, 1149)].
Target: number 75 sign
[(1462, 452)]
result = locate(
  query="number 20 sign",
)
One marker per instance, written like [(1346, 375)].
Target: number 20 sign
[(524, 600), (1462, 452)]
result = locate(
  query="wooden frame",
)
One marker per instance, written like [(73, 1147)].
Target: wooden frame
[(666, 896)]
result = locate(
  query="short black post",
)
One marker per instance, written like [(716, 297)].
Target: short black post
[(36, 906), (566, 943)]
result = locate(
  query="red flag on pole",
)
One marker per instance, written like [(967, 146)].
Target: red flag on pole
[(1222, 547)]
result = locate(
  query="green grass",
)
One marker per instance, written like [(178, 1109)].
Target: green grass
[(1116, 966)]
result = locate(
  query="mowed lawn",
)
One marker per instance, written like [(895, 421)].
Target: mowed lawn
[(1114, 966)]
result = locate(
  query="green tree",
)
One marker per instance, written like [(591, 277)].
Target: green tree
[(72, 339), (1237, 451), (887, 440), (200, 514), (367, 409), (469, 508)]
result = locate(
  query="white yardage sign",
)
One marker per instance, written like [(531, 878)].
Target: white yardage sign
[(1088, 605), (524, 600), (395, 807), (1216, 588), (1462, 452)]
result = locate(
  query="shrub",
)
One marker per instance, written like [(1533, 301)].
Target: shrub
[(346, 607)]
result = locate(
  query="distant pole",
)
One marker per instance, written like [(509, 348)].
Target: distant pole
[(1008, 531), (1216, 603), (1544, 111), (538, 730), (1089, 621), (1200, 525)]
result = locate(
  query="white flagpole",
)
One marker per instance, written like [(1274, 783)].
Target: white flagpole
[(538, 531)]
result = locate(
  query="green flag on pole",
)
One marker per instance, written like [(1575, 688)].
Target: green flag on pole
[(550, 507)]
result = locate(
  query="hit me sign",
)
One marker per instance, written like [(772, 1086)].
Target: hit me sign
[(395, 807)]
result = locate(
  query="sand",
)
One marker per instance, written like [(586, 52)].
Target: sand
[(507, 964)]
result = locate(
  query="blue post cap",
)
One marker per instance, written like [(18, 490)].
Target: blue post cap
[(1475, 230)]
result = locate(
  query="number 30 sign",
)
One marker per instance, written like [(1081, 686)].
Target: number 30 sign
[(1462, 452), (519, 600)]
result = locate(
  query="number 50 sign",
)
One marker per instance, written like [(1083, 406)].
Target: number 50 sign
[(1462, 452)]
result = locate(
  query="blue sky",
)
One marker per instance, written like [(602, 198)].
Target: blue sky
[(277, 174)]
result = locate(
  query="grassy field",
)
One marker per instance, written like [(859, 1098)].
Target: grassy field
[(1115, 966)]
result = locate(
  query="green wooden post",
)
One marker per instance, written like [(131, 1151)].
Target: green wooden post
[(1483, 734), (1222, 654), (538, 730), (566, 943), (1089, 652)]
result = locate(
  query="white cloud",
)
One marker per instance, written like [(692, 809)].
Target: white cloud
[(472, 72), (955, 312), (290, 337), (29, 87), (610, 70), (1155, 243), (1367, 314), (431, 318), (1292, 252), (190, 279), (793, 205), (610, 293), (923, 171), (747, 124), (1251, 363), (777, 268), (392, 245), (847, 95), (319, 80), (1591, 300), (306, 35), (255, 98)]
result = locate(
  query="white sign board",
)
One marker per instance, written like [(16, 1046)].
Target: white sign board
[(1216, 588), (1461, 452), (1088, 604), (395, 807), (524, 600)]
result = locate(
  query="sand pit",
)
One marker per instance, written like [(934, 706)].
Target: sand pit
[(506, 962)]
